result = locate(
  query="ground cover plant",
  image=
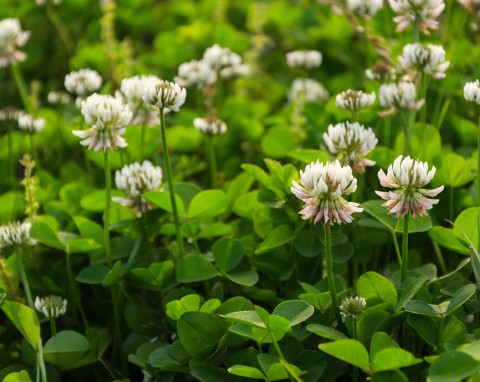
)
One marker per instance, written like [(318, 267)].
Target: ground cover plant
[(239, 190)]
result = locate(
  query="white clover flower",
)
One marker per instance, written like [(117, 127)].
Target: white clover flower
[(354, 100), (9, 114), (131, 92), (30, 124), (304, 58), (107, 117), (164, 94), (381, 72), (471, 91), (225, 62), (210, 126), (51, 306), (352, 306), (135, 180), (199, 73), (58, 98), (364, 7), (240, 70), (351, 141), (11, 38), (400, 95), (407, 177), (41, 3), (307, 89), (321, 189), (16, 233), (424, 58), (423, 11), (83, 82)]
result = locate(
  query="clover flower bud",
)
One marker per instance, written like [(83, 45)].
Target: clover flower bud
[(423, 11), (471, 91), (51, 306), (407, 177), (352, 306), (381, 72), (304, 58), (16, 233), (30, 124), (210, 126), (424, 58), (321, 189), (12, 37), (351, 141), (164, 94), (354, 100), (307, 89)]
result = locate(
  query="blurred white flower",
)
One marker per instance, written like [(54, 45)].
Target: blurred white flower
[(225, 62), (407, 177), (472, 6), (210, 126), (352, 142), (59, 98), (16, 233), (400, 95), (381, 72), (352, 306), (30, 124), (9, 114), (41, 3), (131, 92), (83, 82), (364, 7), (304, 58), (354, 100), (423, 11), (321, 189), (51, 306), (11, 39), (107, 117), (307, 89), (164, 94), (424, 58), (471, 91), (135, 180), (199, 73), (235, 71)]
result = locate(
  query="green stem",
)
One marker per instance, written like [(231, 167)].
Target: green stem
[(397, 248), (53, 327), (387, 123), (168, 170), (22, 89), (416, 31), (75, 293), (405, 249), (438, 255), (61, 28), (212, 162), (11, 171), (106, 214), (32, 148), (331, 277), (407, 130), (142, 136), (478, 163), (355, 335)]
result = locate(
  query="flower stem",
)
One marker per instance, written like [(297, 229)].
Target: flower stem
[(61, 29), (32, 148), (22, 89), (28, 294), (331, 277), (478, 162), (11, 170), (75, 292), (212, 161), (397, 248), (168, 170), (405, 249), (106, 214), (53, 327)]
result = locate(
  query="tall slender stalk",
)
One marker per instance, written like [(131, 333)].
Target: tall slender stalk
[(22, 89), (478, 162), (405, 249), (331, 277), (106, 214), (75, 292), (61, 28), (168, 170), (212, 161)]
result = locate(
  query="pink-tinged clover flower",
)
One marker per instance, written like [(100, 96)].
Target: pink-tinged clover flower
[(424, 58), (401, 95), (12, 37), (422, 11), (321, 189), (407, 178), (164, 94)]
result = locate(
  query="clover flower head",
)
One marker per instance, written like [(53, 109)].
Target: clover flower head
[(30, 124), (354, 100), (196, 72), (107, 117), (351, 141), (423, 11), (381, 72), (401, 95), (471, 91), (308, 59), (58, 98), (51, 306), (472, 6), (83, 82), (16, 233), (352, 306), (164, 94), (9, 114), (407, 178), (12, 37), (225, 62), (307, 89), (136, 179), (210, 126), (41, 3), (131, 92), (321, 189), (240, 70), (424, 58), (364, 7)]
